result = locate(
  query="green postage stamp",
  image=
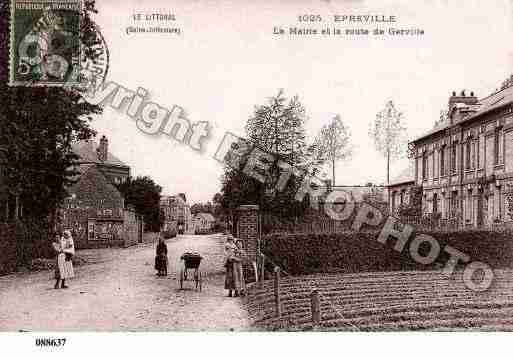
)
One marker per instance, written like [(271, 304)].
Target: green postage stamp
[(45, 42)]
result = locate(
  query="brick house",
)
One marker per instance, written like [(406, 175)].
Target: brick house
[(465, 163), (95, 209)]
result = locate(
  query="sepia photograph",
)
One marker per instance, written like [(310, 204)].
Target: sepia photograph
[(310, 170)]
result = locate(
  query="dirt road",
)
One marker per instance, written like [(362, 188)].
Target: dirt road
[(121, 292)]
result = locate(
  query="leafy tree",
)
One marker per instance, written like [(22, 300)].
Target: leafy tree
[(334, 143), (277, 128), (388, 133), (144, 195), (37, 128)]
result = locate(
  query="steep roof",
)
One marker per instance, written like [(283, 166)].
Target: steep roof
[(93, 184), (86, 150), (485, 105), (405, 176)]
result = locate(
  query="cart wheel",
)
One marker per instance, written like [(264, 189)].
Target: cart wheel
[(181, 278)]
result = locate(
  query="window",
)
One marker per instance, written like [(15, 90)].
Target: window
[(434, 164), (442, 161), (468, 154), (424, 166), (454, 204), (435, 203), (496, 148), (497, 153), (474, 149), (499, 203), (416, 169), (453, 158), (478, 155), (469, 214)]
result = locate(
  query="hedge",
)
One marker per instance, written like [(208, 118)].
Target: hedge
[(360, 251), (21, 242)]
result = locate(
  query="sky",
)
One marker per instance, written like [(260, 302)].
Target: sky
[(227, 60)]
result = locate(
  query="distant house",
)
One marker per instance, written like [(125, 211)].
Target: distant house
[(399, 189), (358, 193), (203, 222), (95, 209), (176, 213)]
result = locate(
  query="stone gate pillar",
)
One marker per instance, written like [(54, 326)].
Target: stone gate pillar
[(247, 230)]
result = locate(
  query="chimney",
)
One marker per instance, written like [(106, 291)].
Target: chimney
[(462, 98), (459, 106), (103, 149)]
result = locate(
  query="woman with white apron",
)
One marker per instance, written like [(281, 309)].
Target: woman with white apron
[(65, 249)]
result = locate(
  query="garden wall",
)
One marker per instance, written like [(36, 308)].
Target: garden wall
[(360, 251)]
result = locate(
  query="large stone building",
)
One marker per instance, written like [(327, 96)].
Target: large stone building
[(465, 163)]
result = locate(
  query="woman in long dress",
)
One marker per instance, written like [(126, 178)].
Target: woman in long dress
[(229, 251), (238, 274), (161, 258), (65, 249)]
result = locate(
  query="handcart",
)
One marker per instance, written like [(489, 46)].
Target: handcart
[(191, 263)]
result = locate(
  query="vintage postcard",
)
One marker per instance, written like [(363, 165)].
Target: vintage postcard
[(236, 166)]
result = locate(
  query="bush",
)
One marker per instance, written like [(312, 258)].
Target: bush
[(360, 251)]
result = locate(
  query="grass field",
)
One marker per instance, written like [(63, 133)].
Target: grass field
[(385, 301)]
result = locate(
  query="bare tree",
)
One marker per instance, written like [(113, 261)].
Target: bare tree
[(334, 143), (388, 133)]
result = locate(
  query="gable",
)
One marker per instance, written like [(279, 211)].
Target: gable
[(93, 189)]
